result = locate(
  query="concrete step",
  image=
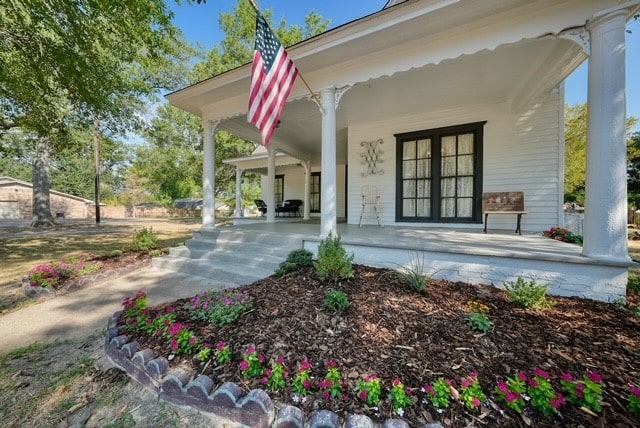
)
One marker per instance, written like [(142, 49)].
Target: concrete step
[(231, 273), (258, 258)]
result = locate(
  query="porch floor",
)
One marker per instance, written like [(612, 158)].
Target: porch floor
[(467, 255)]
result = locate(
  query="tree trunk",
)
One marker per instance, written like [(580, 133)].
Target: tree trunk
[(41, 210)]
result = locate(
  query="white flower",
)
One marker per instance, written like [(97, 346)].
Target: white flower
[(295, 398), (400, 412), (425, 401), (440, 410), (171, 357), (304, 399)]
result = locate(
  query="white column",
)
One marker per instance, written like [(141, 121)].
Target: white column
[(307, 189), (328, 218), (238, 192), (209, 175), (605, 223), (270, 198)]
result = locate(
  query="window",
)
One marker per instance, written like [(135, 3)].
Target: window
[(279, 190), (314, 196), (439, 177)]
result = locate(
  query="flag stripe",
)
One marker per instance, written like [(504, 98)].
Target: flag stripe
[(272, 78)]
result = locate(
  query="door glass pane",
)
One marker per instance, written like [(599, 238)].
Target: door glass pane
[(423, 188), (448, 207), (465, 144), (423, 207), (424, 168), (409, 207), (448, 187), (465, 187), (424, 148), (464, 207), (409, 189), (465, 165), (448, 166), (448, 146), (409, 169), (409, 150)]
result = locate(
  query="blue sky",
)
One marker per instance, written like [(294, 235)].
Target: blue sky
[(199, 23)]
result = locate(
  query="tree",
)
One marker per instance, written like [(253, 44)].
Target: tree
[(576, 152), (64, 63), (170, 163)]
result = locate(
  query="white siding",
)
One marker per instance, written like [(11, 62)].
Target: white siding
[(522, 152)]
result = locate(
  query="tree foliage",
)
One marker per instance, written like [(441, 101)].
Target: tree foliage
[(576, 153), (64, 63)]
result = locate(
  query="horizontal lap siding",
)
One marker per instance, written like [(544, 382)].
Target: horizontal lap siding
[(521, 153)]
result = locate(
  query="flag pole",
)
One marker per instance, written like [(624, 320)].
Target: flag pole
[(313, 94)]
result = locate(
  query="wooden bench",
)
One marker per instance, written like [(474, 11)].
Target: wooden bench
[(503, 203)]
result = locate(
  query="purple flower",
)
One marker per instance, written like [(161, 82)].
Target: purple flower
[(174, 345), (558, 402), (244, 366), (634, 390), (541, 373), (533, 383), (511, 396), (170, 309), (280, 361), (364, 395), (522, 376), (220, 346), (331, 364), (250, 350), (467, 383), (475, 402), (307, 384), (566, 377), (264, 380), (594, 376), (326, 395), (429, 389), (193, 341), (503, 387), (304, 366)]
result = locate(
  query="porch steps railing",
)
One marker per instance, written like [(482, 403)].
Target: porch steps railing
[(228, 256)]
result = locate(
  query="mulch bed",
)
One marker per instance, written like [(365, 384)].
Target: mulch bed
[(393, 332)]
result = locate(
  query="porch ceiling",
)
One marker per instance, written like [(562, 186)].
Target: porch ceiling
[(505, 75)]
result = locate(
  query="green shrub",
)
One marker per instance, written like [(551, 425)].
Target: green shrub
[(116, 253), (336, 300), (301, 258), (220, 307), (295, 260), (480, 322), (145, 240), (528, 295), (333, 262)]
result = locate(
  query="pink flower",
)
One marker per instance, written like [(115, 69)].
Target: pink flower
[(244, 366), (371, 378), (326, 395), (503, 387), (228, 302), (522, 376), (580, 387), (175, 329), (429, 389), (451, 383), (473, 375), (250, 350), (475, 402), (566, 377), (467, 383), (396, 382), (331, 364), (280, 361), (594, 376), (206, 345), (558, 402), (220, 346), (634, 390), (541, 373), (170, 309), (261, 358), (364, 395), (305, 365), (307, 384), (533, 383), (409, 393), (264, 380), (511, 396), (193, 341), (174, 345), (269, 372)]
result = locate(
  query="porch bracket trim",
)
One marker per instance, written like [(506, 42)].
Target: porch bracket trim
[(340, 92), (580, 36)]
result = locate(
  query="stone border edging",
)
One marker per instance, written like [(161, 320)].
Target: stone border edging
[(224, 404), (80, 283)]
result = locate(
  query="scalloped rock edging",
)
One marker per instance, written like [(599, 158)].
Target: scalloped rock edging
[(80, 283), (224, 404)]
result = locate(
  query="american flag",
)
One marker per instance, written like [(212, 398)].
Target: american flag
[(272, 79)]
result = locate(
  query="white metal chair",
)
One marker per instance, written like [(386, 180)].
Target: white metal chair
[(370, 197)]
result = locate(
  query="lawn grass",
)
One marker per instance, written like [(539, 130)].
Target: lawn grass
[(21, 253)]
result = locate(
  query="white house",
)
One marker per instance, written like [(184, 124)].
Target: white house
[(436, 102)]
